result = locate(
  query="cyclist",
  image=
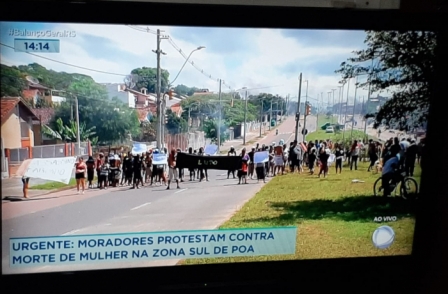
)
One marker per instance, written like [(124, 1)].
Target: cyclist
[(392, 171)]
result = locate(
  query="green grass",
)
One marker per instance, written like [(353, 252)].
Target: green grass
[(338, 135), (56, 185), (334, 216)]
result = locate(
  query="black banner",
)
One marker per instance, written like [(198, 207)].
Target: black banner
[(185, 160)]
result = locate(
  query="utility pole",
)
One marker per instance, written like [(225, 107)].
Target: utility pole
[(305, 115), (159, 100), (71, 111), (219, 119), (78, 135), (245, 118), (298, 109), (261, 115), (270, 116), (368, 96)]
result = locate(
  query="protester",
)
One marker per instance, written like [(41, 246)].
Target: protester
[(323, 158), (172, 169), (80, 174), (231, 152), (90, 171), (354, 153), (242, 174), (339, 154)]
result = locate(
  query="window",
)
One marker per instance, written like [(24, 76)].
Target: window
[(24, 129)]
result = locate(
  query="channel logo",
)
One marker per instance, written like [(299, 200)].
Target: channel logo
[(383, 237)]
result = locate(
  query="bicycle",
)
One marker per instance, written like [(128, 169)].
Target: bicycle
[(406, 184)]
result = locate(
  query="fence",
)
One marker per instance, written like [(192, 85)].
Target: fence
[(50, 151), (184, 141), (18, 155), (84, 149)]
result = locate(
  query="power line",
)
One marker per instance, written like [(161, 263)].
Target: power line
[(145, 30), (68, 64)]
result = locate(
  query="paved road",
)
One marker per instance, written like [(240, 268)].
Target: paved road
[(118, 210)]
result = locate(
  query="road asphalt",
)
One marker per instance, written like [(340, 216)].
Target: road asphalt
[(195, 206)]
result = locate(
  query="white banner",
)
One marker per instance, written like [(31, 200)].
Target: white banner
[(139, 148), (278, 160), (158, 159), (52, 169), (211, 149), (261, 157)]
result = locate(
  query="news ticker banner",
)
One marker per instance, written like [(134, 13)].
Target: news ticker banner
[(88, 249)]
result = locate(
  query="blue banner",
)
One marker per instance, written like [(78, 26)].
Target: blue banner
[(95, 249)]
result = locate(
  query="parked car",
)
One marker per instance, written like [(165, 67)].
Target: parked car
[(329, 129)]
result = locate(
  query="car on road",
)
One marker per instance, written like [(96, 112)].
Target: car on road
[(329, 129)]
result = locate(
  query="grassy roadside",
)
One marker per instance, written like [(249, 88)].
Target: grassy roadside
[(334, 216), (338, 136), (56, 185)]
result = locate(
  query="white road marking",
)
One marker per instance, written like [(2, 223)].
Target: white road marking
[(180, 191), (140, 206), (71, 232), (223, 174)]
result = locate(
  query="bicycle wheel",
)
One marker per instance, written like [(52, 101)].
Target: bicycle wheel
[(377, 187), (409, 189)]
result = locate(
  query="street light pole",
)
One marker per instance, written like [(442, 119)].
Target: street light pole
[(354, 106), (270, 116), (346, 105), (298, 109), (245, 118), (219, 120)]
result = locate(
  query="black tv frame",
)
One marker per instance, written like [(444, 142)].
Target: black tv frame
[(398, 273)]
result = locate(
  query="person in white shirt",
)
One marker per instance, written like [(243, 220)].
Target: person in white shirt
[(354, 153)]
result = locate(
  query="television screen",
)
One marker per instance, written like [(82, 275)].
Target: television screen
[(144, 146)]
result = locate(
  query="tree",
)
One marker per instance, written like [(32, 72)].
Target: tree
[(12, 81), (405, 67), (184, 90), (113, 120), (175, 124), (210, 129), (69, 132), (147, 78)]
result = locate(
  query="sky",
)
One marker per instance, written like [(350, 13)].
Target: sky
[(262, 60)]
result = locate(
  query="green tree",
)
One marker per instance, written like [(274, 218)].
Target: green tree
[(175, 124), (404, 66), (210, 129), (184, 90), (147, 78), (69, 132), (12, 81), (113, 120)]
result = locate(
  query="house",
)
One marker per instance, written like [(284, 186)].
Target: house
[(34, 92), (175, 105), (45, 115), (120, 91), (202, 92), (37, 91), (18, 122)]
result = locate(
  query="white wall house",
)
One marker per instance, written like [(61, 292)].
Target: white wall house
[(119, 91)]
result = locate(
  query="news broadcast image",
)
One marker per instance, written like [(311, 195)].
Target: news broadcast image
[(142, 146)]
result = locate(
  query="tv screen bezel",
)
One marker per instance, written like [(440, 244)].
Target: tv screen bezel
[(329, 271)]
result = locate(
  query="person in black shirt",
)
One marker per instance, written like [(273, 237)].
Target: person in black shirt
[(339, 154), (323, 158), (191, 170), (312, 159), (232, 152), (129, 162), (251, 163), (137, 167), (292, 156)]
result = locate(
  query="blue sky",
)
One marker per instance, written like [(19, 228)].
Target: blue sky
[(250, 58)]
